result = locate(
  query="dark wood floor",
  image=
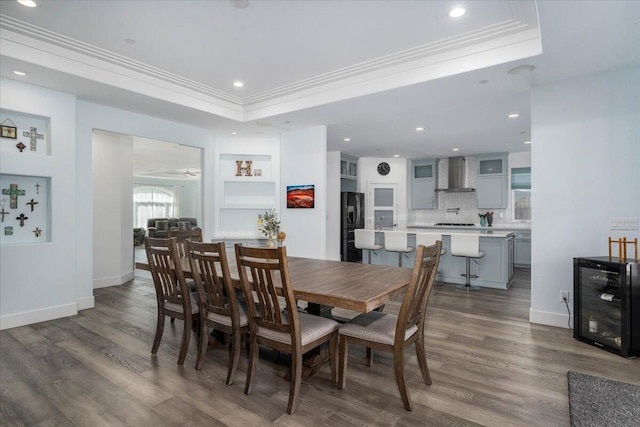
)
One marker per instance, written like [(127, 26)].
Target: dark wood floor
[(489, 366)]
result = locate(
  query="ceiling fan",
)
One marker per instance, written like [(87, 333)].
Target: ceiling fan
[(187, 172)]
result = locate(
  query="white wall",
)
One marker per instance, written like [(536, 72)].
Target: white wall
[(333, 206), (368, 173), (303, 161), (38, 281), (92, 117), (112, 209), (585, 159)]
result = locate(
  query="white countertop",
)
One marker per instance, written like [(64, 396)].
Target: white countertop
[(477, 231), (511, 226)]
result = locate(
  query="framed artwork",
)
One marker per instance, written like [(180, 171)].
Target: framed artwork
[(301, 196), (9, 132)]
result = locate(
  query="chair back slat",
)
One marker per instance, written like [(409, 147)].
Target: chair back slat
[(166, 271), (265, 272), (415, 301), (210, 270)]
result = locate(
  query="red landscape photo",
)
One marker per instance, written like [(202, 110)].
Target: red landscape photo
[(300, 196)]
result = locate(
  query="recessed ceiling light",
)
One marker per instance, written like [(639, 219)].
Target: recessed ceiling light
[(457, 12), (483, 81), (527, 142), (396, 155), (456, 149), (419, 129), (347, 139), (287, 121), (28, 3), (129, 41), (238, 83), (19, 72), (514, 115), (234, 133), (521, 69)]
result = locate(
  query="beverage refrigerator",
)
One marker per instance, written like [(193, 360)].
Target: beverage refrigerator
[(351, 218), (607, 304)]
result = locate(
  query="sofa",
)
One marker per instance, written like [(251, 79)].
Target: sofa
[(159, 227)]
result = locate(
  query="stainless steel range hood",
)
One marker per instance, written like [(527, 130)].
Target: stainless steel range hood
[(457, 175)]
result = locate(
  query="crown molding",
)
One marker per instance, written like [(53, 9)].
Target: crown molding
[(509, 40)]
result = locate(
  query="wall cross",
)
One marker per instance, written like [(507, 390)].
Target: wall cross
[(13, 192), (32, 203), (22, 218), (34, 136)]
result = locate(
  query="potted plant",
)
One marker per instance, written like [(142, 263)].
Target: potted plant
[(269, 225)]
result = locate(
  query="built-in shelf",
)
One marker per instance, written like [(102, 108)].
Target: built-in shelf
[(240, 199)]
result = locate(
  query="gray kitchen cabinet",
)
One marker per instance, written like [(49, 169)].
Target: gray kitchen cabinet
[(491, 186), (522, 252), (424, 175)]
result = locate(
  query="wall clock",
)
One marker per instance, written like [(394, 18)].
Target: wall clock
[(384, 168)]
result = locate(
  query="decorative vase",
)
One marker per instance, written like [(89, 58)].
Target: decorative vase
[(271, 243), (489, 221)]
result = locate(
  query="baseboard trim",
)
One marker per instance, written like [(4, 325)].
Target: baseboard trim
[(37, 316), (86, 303), (106, 282), (551, 319)]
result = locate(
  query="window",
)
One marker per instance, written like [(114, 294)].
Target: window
[(154, 201), (521, 193)]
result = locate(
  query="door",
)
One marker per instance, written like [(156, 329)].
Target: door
[(382, 206)]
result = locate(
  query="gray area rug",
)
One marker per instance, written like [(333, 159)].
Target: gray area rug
[(595, 401)]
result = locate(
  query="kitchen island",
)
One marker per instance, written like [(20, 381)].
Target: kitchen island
[(494, 270)]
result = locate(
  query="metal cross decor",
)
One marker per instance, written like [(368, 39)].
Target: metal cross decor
[(20, 146), (38, 187), (37, 231), (33, 138), (32, 203), (22, 218), (13, 194)]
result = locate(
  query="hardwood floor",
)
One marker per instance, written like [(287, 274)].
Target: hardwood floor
[(489, 366)]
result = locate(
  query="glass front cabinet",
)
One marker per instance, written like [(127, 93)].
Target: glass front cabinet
[(424, 180), (607, 304)]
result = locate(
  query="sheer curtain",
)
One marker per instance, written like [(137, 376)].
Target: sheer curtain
[(154, 201)]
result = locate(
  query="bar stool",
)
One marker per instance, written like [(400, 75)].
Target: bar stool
[(366, 239), (429, 239), (468, 246), (396, 241)]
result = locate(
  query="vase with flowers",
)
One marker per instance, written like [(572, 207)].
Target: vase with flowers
[(269, 225)]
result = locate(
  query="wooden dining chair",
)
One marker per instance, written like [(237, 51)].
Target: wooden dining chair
[(266, 272), (183, 236), (393, 333), (219, 306), (172, 293)]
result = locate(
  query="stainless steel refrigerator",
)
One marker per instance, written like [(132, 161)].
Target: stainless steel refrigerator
[(352, 217)]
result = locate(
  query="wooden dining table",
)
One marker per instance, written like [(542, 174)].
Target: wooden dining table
[(325, 284)]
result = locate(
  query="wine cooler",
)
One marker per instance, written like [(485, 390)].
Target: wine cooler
[(607, 304)]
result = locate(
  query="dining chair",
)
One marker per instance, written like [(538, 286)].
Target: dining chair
[(219, 305), (265, 272), (172, 293), (395, 333), (183, 236)]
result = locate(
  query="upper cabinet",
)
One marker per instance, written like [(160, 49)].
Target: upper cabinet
[(424, 181), (348, 173), (491, 187)]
